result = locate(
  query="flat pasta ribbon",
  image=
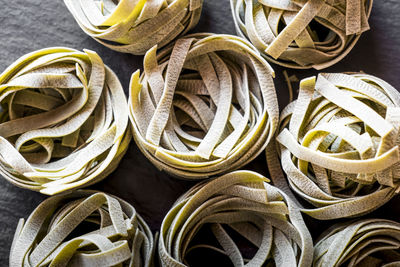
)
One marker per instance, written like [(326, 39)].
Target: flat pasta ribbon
[(242, 202), (83, 228), (339, 144), (134, 26), (302, 34), (203, 106), (63, 120), (367, 242)]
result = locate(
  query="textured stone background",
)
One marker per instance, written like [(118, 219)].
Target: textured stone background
[(27, 25)]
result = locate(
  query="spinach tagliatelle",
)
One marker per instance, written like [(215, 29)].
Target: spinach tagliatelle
[(242, 202), (367, 242), (302, 33), (134, 26), (63, 120), (203, 106), (83, 228), (339, 144)]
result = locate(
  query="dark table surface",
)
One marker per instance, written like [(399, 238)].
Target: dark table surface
[(28, 25)]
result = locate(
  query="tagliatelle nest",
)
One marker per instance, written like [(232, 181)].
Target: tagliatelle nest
[(368, 242), (242, 202), (340, 144), (203, 106), (63, 120), (302, 33), (84, 228), (135, 26)]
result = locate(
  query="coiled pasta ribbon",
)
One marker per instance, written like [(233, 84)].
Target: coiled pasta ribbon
[(339, 144), (63, 120), (368, 242), (242, 202), (83, 228), (135, 26), (203, 106), (302, 34)]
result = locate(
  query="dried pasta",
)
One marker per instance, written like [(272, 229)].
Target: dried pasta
[(243, 202), (339, 144), (203, 106), (63, 120), (367, 242), (302, 34), (83, 228), (134, 26)]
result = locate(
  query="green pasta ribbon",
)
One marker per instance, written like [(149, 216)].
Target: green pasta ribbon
[(339, 144), (204, 105), (363, 243), (83, 228), (63, 120), (243, 202), (135, 26), (302, 34)]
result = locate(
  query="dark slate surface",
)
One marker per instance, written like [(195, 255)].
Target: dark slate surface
[(27, 25)]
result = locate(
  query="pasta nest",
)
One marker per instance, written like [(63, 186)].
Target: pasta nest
[(135, 26), (203, 106), (83, 228), (63, 120), (241, 202), (339, 144), (368, 242), (302, 34)]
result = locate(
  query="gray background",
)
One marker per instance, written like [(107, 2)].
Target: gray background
[(28, 25)]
